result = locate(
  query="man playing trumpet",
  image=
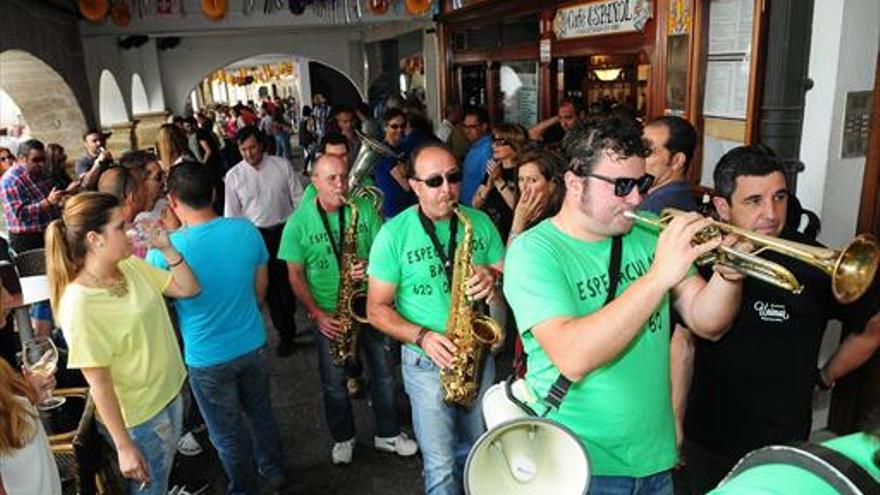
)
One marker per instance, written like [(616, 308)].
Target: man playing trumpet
[(313, 244), (754, 387), (614, 356)]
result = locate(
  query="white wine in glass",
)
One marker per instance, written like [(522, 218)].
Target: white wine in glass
[(40, 356)]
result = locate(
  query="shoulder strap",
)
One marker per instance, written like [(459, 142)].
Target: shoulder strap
[(839, 471), (560, 387)]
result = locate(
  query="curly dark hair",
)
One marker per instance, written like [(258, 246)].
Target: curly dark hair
[(586, 143)]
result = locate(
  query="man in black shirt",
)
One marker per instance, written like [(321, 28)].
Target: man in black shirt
[(754, 386)]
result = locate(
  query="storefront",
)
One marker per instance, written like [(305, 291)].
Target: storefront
[(692, 58)]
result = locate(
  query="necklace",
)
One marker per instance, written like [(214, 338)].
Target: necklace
[(116, 287)]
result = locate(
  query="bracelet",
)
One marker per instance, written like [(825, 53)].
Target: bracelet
[(423, 332), (176, 263)]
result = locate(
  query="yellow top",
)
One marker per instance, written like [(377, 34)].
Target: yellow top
[(130, 335)]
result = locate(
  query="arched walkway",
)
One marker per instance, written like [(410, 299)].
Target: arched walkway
[(46, 101), (111, 104), (140, 103)]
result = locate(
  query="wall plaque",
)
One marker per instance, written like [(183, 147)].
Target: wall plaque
[(601, 18)]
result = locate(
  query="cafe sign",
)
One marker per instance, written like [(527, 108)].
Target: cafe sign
[(601, 18)]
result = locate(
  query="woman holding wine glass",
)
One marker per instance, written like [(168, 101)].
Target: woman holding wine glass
[(111, 309), (26, 461)]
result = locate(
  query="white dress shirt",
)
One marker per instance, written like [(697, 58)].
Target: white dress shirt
[(266, 195)]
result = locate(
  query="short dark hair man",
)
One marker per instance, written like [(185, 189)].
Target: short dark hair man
[(754, 387), (223, 331), (614, 353), (672, 141), (569, 114), (90, 165), (476, 128)]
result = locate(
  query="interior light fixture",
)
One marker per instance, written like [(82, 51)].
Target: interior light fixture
[(606, 75)]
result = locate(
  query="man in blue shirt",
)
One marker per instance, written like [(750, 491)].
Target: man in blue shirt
[(222, 327), (672, 141), (476, 129)]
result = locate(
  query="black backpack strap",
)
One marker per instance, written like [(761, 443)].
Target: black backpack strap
[(839, 471), (560, 387)]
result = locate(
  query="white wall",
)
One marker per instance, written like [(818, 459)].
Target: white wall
[(843, 54)]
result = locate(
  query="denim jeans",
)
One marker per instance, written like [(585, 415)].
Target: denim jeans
[(157, 439), (337, 405), (656, 484), (445, 433), (227, 394)]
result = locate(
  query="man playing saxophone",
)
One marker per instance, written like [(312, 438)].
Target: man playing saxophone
[(316, 242), (412, 265), (613, 354)]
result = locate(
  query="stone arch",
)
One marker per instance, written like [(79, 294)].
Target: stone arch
[(47, 103), (140, 102), (111, 104)]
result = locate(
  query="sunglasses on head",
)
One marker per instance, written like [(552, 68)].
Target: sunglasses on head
[(500, 142), (624, 185), (437, 180)]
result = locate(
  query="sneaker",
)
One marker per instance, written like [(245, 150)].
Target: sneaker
[(189, 446), (401, 445), (342, 452)]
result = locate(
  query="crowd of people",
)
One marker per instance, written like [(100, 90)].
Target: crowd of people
[(660, 364)]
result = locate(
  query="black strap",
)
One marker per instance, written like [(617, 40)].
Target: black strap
[(431, 230), (560, 387), (839, 471), (337, 249)]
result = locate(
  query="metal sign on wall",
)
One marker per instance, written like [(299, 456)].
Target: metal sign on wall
[(601, 18)]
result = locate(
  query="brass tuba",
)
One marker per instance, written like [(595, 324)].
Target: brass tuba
[(851, 268), (471, 332), (369, 154), (352, 298)]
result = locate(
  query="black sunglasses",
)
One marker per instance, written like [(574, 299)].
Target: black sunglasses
[(395, 126), (437, 180), (624, 185), (500, 142)]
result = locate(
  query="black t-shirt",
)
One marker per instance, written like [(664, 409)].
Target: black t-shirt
[(754, 386), (496, 207)]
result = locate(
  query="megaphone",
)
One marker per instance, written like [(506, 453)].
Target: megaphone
[(522, 454)]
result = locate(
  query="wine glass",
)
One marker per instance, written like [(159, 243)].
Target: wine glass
[(40, 356)]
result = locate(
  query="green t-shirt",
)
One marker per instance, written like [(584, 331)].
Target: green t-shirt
[(621, 411), (404, 255), (785, 479), (305, 242)]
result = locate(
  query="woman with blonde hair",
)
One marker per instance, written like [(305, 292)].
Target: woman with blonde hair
[(497, 194), (171, 146), (26, 461), (111, 308)]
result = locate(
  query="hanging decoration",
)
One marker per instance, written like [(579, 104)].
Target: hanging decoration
[(379, 7), (215, 9), (120, 14), (94, 10), (417, 7)]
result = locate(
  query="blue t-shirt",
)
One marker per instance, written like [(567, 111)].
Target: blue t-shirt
[(394, 198), (223, 322), (475, 168), (676, 194)]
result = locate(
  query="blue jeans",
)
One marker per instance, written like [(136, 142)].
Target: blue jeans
[(157, 439), (656, 484), (227, 394), (337, 405), (445, 433), (282, 144)]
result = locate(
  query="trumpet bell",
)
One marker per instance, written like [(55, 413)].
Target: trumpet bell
[(855, 268)]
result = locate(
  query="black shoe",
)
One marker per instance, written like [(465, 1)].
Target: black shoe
[(285, 347)]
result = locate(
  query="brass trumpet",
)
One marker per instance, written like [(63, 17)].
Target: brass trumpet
[(851, 268)]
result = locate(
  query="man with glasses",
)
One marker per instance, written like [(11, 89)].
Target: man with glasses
[(597, 365), (29, 200), (476, 130), (410, 271)]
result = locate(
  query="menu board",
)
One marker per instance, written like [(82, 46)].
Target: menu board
[(728, 62), (519, 88)]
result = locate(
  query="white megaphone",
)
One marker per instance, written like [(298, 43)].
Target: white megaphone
[(522, 454)]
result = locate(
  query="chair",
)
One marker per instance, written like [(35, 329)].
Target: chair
[(30, 263)]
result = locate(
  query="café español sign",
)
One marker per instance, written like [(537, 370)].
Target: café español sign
[(604, 17)]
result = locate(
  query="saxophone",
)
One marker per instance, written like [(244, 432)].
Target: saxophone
[(471, 332), (351, 300)]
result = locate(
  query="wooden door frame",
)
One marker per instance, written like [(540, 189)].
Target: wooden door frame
[(869, 208)]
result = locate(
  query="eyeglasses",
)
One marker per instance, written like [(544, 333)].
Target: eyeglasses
[(435, 181), (500, 142), (624, 185), (38, 159), (7, 158), (396, 126)]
